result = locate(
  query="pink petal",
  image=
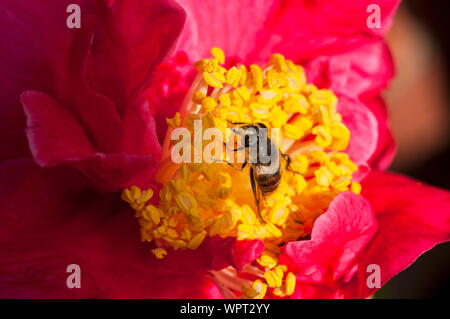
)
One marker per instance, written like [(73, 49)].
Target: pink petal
[(361, 74), (51, 218), (363, 127), (308, 29), (413, 218), (299, 29), (224, 24), (386, 148), (364, 70), (338, 236)]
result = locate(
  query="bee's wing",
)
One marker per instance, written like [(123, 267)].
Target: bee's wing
[(257, 193), (255, 186)]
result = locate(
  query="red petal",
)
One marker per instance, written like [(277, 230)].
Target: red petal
[(114, 172), (51, 219), (229, 251), (34, 45), (53, 132), (56, 137), (111, 56), (413, 218), (132, 38), (338, 236), (170, 84), (98, 113), (140, 129), (113, 59)]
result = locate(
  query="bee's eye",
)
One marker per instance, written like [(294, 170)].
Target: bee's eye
[(250, 140)]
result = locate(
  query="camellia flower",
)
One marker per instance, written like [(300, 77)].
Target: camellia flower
[(100, 104)]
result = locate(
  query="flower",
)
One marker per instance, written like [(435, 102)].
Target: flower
[(212, 198), (96, 124)]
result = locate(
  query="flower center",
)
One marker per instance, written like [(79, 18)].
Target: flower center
[(201, 199)]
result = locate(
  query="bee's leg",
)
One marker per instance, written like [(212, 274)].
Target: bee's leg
[(237, 123), (238, 168), (288, 163), (256, 193), (236, 131), (234, 150)]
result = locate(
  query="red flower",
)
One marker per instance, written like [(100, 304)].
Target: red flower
[(94, 124)]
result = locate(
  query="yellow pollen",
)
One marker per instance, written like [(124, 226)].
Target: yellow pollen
[(355, 187), (159, 252), (214, 79), (256, 291), (257, 77), (273, 278), (208, 104), (218, 54), (200, 200), (175, 121)]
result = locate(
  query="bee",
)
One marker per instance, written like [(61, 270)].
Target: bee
[(263, 157)]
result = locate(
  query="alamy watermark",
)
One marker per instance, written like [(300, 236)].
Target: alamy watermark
[(73, 21), (374, 19), (374, 279), (74, 279)]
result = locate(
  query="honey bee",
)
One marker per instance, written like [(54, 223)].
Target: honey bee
[(264, 158)]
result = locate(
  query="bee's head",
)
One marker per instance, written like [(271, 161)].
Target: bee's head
[(251, 133)]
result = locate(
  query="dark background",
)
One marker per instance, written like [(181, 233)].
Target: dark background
[(429, 276)]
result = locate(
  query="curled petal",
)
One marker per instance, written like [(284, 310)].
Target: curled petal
[(34, 48), (386, 147), (230, 251), (363, 127), (413, 218), (132, 38), (57, 138), (338, 237)]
